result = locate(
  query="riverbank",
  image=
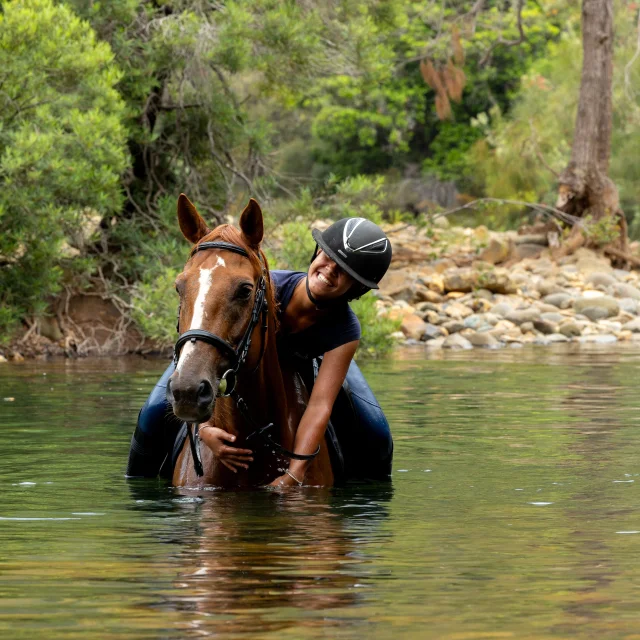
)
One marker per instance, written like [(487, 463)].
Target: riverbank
[(481, 289), (448, 288)]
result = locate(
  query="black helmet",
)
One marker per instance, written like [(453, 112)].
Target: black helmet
[(358, 246)]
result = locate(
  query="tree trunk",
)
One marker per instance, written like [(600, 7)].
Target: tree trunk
[(584, 187)]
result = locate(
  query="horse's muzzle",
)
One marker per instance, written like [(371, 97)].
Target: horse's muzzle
[(191, 402)]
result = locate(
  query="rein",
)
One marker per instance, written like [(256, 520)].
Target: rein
[(238, 356)]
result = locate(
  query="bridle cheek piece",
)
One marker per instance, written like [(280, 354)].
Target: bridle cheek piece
[(237, 355)]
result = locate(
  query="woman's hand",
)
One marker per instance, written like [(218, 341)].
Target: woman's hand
[(231, 457)]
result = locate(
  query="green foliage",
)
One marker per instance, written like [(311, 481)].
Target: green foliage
[(297, 247), (62, 147), (603, 231), (376, 337), (521, 152)]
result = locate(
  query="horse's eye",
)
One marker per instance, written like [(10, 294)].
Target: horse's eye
[(243, 292)]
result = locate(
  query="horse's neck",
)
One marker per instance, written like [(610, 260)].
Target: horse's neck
[(266, 395)]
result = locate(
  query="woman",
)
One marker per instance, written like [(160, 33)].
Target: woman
[(351, 257)]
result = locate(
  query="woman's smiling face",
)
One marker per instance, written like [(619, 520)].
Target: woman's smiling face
[(326, 279)]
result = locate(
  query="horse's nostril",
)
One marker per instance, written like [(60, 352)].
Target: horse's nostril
[(169, 393), (205, 393)]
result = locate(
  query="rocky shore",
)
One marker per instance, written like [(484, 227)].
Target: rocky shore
[(504, 290)]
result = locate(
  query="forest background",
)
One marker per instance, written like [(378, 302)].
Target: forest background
[(389, 109)]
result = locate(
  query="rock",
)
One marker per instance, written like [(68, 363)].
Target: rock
[(549, 287), (483, 294), (570, 329), (432, 316), (523, 315), (588, 261), (481, 305), (435, 344), (557, 337), (524, 251), (442, 265), (483, 340), (491, 319), (605, 305), (599, 279), (474, 321), (432, 332), (512, 336), (502, 309), (497, 281), (427, 306), (454, 295), (552, 316), (624, 335), (628, 305), (463, 280), (600, 338), (397, 335), (560, 300), (2, 359), (610, 326), (527, 327), (457, 311), (433, 282), (595, 313), (423, 294), (633, 326), (396, 286), (17, 357), (456, 342), (413, 326), (497, 251), (623, 290), (398, 313), (545, 327), (453, 326)]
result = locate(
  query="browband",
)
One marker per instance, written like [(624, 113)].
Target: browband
[(227, 246)]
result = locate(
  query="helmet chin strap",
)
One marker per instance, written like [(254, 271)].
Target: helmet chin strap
[(314, 300)]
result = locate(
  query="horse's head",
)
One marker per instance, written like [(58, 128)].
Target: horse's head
[(217, 290)]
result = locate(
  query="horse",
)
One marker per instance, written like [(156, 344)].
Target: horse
[(227, 365)]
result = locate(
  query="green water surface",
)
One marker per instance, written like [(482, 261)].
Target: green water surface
[(513, 512)]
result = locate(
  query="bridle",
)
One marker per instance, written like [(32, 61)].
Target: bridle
[(238, 356)]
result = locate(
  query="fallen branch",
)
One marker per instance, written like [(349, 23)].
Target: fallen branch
[(544, 209), (616, 253)]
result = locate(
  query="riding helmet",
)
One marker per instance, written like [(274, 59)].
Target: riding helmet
[(358, 246)]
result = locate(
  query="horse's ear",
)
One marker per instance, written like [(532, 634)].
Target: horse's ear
[(251, 223), (193, 227)]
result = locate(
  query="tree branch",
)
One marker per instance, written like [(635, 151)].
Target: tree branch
[(544, 209), (507, 43), (627, 67)]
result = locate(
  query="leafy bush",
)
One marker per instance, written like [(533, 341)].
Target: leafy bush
[(376, 329), (62, 148)]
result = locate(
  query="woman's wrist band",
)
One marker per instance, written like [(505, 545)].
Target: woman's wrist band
[(292, 476)]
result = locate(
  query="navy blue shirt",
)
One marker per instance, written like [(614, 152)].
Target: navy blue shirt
[(329, 332)]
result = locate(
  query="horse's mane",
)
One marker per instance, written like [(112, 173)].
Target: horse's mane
[(229, 233)]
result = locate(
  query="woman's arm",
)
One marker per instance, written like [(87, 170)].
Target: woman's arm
[(313, 424)]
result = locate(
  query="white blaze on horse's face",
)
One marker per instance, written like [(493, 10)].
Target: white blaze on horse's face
[(204, 285)]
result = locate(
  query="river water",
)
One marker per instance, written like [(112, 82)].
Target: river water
[(513, 512)]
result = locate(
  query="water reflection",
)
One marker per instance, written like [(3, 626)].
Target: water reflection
[(244, 558)]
